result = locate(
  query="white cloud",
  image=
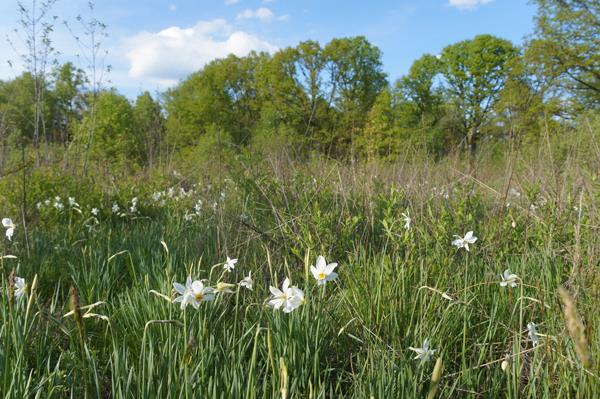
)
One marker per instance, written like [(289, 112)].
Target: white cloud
[(164, 57), (263, 14), (467, 4)]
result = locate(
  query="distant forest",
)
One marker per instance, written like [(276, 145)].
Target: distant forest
[(332, 98)]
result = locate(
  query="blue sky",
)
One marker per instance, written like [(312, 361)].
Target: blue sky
[(154, 43)]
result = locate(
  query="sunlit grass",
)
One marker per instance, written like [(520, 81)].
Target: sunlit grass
[(101, 319)]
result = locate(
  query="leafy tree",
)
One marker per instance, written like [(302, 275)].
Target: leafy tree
[(293, 88), (419, 87), (148, 126), (379, 138), (566, 47), (475, 72), (356, 78), (18, 102), (114, 134), (222, 94), (68, 101)]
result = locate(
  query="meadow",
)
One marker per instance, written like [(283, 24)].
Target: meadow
[(103, 309)]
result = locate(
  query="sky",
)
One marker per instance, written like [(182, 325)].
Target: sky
[(153, 44)]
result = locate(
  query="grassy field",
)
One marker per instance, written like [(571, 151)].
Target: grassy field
[(97, 317)]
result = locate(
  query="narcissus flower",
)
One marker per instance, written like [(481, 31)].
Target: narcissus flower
[(247, 281), (288, 298), (193, 293), (508, 279), (463, 242), (229, 264), (533, 334), (323, 272), (424, 353), (20, 287), (9, 226), (407, 221)]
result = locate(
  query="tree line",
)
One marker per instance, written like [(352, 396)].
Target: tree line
[(333, 98)]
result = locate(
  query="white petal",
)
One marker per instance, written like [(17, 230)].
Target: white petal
[(315, 272), (321, 263), (329, 268), (197, 286), (179, 288)]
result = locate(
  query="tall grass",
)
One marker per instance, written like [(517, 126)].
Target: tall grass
[(396, 287)]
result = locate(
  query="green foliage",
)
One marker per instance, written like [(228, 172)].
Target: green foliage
[(475, 71), (148, 127), (351, 338), (109, 131), (566, 48)]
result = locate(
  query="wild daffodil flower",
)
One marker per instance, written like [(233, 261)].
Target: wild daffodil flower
[(9, 226), (20, 287), (508, 279), (323, 272), (229, 264), (407, 221), (193, 293), (288, 298), (463, 242), (424, 353), (247, 281), (533, 334)]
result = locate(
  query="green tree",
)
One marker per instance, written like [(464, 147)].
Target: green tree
[(148, 127), (419, 86), (67, 99), (566, 47), (114, 133), (475, 72), (379, 137), (222, 94), (356, 78)]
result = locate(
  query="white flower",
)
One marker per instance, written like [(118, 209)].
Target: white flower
[(508, 279), (463, 242), (193, 293), (323, 272), (115, 207), (188, 217), (288, 298), (38, 205), (9, 226), (407, 221), (247, 281), (424, 353), (72, 202), (95, 211), (47, 202), (133, 208), (58, 205), (532, 331), (19, 287), (229, 264)]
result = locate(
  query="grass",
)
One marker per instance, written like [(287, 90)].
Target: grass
[(395, 289)]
